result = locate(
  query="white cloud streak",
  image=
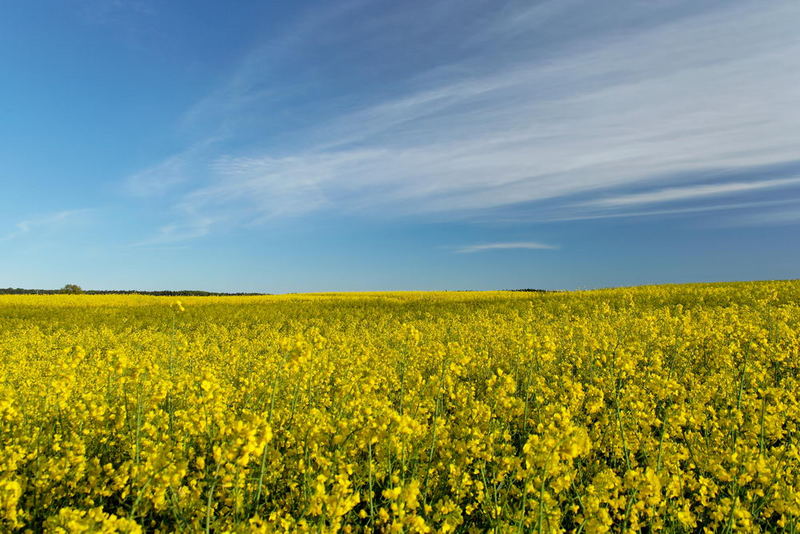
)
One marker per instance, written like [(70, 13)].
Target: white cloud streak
[(166, 175), (159, 178), (689, 192), (526, 245), (692, 210), (782, 217), (46, 223)]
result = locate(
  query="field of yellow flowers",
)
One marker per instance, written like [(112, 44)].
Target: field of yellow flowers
[(665, 408)]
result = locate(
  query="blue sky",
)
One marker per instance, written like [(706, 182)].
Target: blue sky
[(366, 145)]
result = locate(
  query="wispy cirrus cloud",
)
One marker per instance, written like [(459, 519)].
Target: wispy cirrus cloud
[(533, 116), (46, 223), (159, 178), (766, 206), (177, 232), (788, 215), (518, 245), (171, 172), (689, 192)]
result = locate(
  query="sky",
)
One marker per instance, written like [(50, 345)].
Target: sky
[(382, 145)]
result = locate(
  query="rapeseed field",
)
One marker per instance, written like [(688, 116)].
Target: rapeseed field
[(665, 408)]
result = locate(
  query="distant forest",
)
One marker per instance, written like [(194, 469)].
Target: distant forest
[(78, 291), (71, 289), (529, 290)]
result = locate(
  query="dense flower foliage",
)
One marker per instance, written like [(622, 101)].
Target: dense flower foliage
[(668, 408)]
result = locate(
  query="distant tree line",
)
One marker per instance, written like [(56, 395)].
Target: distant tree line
[(72, 289), (532, 290)]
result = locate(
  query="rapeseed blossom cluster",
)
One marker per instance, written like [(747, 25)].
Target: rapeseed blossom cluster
[(664, 409)]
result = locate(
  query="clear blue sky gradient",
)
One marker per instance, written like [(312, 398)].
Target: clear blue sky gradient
[(370, 145)]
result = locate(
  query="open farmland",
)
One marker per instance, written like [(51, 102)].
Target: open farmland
[(668, 408)]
